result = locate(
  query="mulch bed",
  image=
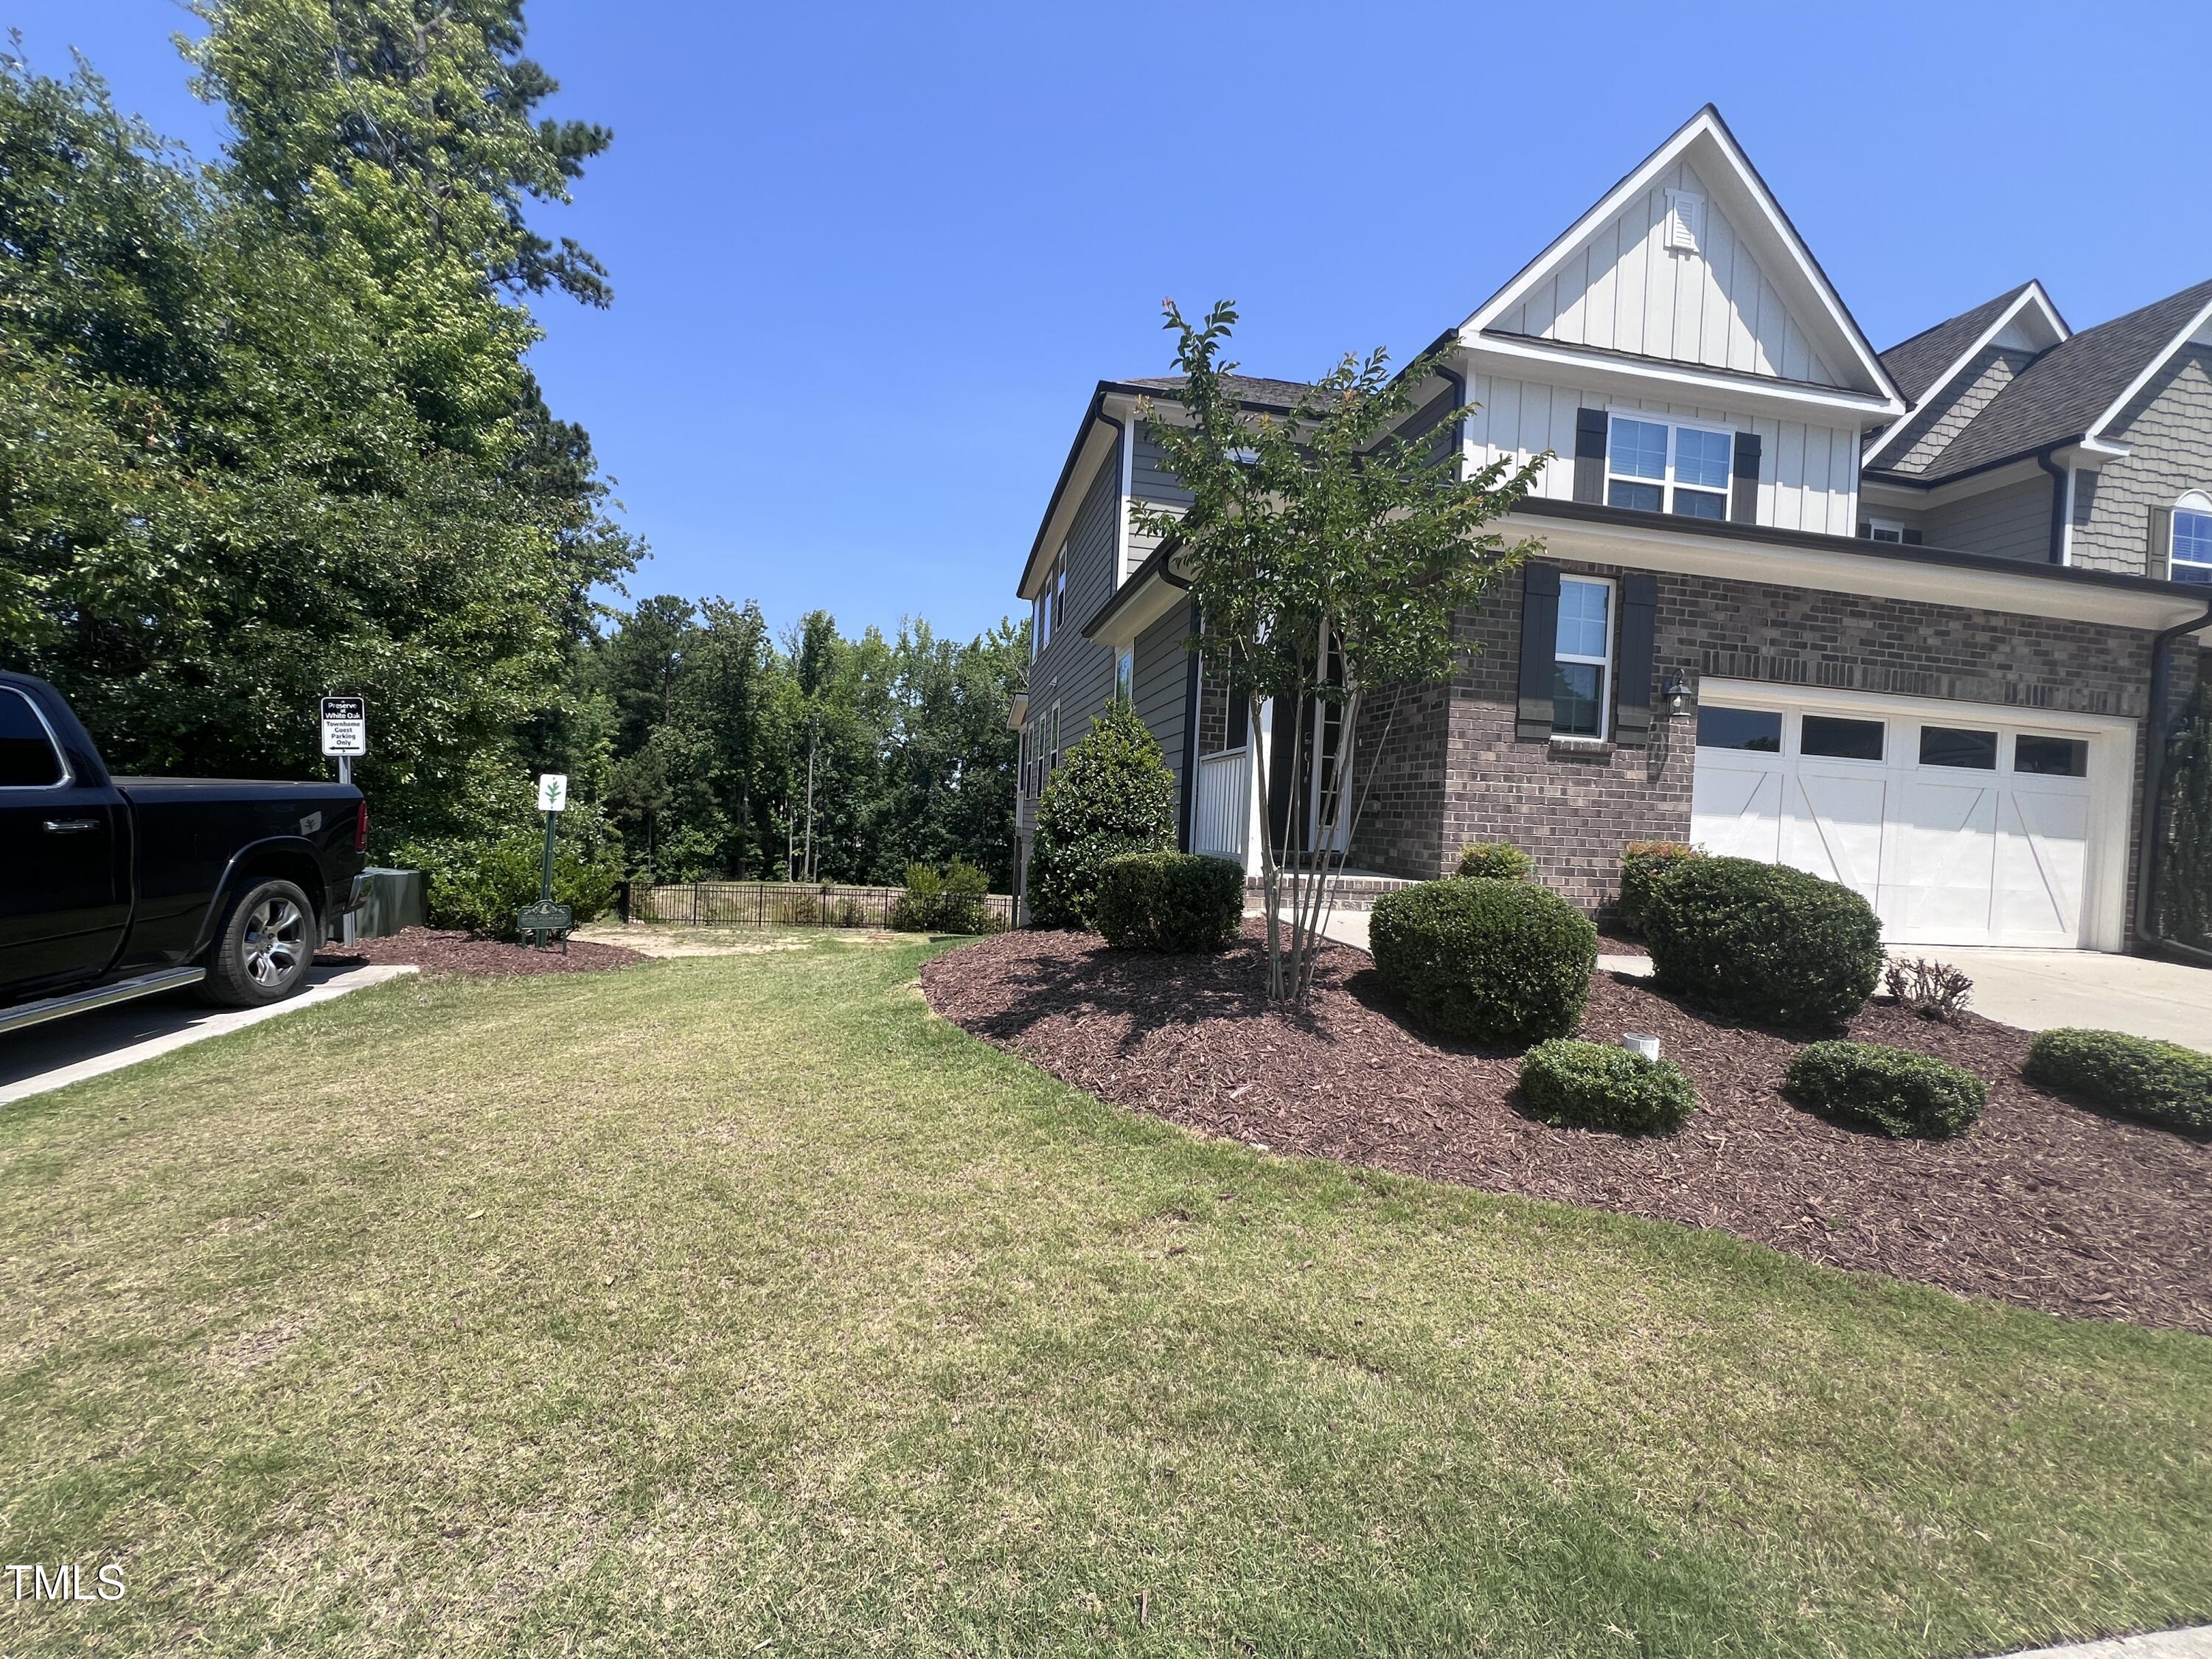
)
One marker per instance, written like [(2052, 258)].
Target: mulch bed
[(436, 951), (2042, 1203)]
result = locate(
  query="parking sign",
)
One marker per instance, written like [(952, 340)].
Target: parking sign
[(345, 726)]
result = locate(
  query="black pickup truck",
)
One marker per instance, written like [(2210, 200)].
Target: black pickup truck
[(112, 888)]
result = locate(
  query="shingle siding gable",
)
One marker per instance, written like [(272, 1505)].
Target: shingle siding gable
[(1934, 427), (2168, 433)]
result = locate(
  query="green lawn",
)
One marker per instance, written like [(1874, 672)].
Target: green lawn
[(738, 1305)]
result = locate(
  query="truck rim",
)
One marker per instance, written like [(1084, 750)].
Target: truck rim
[(273, 931)]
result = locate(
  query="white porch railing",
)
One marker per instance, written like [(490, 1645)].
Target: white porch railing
[(1222, 818)]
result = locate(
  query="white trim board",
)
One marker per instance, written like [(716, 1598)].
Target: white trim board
[(2053, 323)]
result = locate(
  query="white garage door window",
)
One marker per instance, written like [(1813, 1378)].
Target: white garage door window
[(1960, 823)]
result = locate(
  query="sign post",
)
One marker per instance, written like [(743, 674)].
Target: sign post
[(345, 734), (546, 919)]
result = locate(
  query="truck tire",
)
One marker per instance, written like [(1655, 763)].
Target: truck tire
[(263, 947)]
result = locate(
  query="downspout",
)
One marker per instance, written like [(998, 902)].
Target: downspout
[(1121, 493), (2156, 739), (2061, 500)]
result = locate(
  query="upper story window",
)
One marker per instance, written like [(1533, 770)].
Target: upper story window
[(1125, 675), (1655, 467), (2192, 538), (1051, 600), (1582, 658)]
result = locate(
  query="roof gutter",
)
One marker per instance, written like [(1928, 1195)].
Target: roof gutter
[(2062, 494), (2155, 740)]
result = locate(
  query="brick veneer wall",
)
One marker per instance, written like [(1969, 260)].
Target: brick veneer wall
[(1574, 812)]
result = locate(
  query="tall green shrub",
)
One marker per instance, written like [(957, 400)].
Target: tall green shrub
[(1495, 961), (1765, 942), (950, 901), (2185, 906), (478, 885), (1113, 794), (1644, 865)]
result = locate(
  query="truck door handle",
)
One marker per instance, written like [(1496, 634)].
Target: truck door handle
[(70, 826)]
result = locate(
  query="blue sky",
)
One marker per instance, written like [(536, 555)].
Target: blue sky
[(869, 260)]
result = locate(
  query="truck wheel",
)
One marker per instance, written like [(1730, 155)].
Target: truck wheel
[(263, 948)]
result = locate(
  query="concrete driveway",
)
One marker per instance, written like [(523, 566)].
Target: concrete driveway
[(2033, 990)]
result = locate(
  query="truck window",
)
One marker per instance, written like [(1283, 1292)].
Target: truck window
[(28, 759)]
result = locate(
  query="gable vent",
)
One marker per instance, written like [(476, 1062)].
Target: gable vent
[(1686, 220)]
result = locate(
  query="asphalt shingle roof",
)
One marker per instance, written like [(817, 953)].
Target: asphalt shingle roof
[(1272, 394), (1915, 363), (2057, 396)]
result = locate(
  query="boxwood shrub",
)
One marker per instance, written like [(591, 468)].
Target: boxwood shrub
[(1895, 1090), (1493, 961), (1496, 860), (2159, 1082), (1112, 794), (1594, 1086), (1644, 865), (1169, 901), (1763, 942)]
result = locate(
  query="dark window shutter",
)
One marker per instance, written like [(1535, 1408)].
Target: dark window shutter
[(1866, 531), (1589, 462), (2158, 557), (1631, 679), (1539, 644), (1743, 495), (1913, 539)]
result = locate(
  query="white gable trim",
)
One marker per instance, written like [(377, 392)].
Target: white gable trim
[(1518, 358), (1706, 131), (2034, 297), (2189, 330)]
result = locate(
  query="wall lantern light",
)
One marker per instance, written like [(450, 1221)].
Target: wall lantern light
[(1676, 690)]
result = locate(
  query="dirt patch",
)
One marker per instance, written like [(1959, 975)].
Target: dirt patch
[(436, 951), (2043, 1203), (660, 939)]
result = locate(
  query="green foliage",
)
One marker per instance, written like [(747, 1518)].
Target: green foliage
[(2185, 886), (947, 900), (1644, 865), (1496, 860), (1595, 1085), (479, 885), (1493, 961), (1896, 1091), (1763, 942), (259, 443), (2140, 1076), (1173, 902), (1112, 794)]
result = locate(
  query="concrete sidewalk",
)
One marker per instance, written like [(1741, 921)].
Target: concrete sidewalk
[(2196, 1643), (66, 1051)]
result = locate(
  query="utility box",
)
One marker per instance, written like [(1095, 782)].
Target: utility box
[(396, 899)]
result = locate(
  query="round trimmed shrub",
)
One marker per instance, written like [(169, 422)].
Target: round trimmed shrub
[(1112, 794), (1896, 1091), (1496, 860), (1173, 901), (1644, 865), (1595, 1085), (1493, 961), (2140, 1076), (1763, 942)]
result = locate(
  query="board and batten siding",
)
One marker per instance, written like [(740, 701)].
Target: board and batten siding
[(1626, 290), (1808, 475), (1163, 675)]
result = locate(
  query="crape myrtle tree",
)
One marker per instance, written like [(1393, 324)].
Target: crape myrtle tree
[(1328, 557)]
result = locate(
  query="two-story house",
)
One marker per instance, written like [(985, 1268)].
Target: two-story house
[(1907, 619)]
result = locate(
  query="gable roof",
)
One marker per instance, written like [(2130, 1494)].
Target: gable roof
[(1917, 365), (1253, 391), (2076, 388), (1704, 143)]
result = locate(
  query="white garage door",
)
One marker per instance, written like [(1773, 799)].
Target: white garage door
[(1960, 824)]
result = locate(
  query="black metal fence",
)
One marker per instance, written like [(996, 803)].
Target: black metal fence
[(772, 905)]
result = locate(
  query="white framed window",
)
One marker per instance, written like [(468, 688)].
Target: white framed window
[(1657, 466), (1125, 675), (1060, 588), (1885, 530), (1582, 658), (1052, 738), (2191, 551)]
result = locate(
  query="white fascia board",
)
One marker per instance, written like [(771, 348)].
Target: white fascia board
[(1522, 360), (1139, 612), (1017, 712), (1841, 572), (1097, 444), (1738, 180), (2033, 303), (2188, 331)]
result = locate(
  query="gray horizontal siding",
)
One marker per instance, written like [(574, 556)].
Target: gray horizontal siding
[(1070, 669), (2010, 522), (1150, 481), (1163, 672)]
